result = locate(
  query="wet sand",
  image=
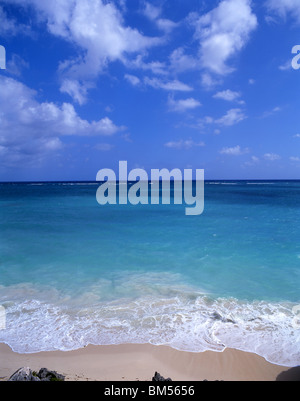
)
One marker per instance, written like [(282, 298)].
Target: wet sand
[(140, 362)]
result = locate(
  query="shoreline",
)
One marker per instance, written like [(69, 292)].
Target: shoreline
[(134, 362)]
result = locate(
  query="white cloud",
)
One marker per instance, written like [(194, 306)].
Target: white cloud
[(180, 61), (156, 67), (157, 83), (29, 128), (10, 27), (174, 85), (7, 26), (254, 161), (283, 8), (223, 32), (15, 65), (208, 82), (295, 159), (78, 91), (286, 66), (166, 25), (234, 151), (296, 136), (153, 13), (229, 96), (270, 113), (184, 144), (132, 79), (97, 28), (183, 104), (232, 117), (272, 157), (104, 147)]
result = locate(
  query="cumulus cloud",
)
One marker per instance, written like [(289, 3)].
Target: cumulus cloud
[(283, 8), (7, 26), (223, 32), (232, 117), (29, 128), (180, 61), (184, 144), (182, 105), (234, 151), (174, 85), (156, 67), (132, 79), (15, 65), (78, 91), (272, 157), (253, 162), (229, 96), (10, 27), (98, 30), (209, 82), (154, 13)]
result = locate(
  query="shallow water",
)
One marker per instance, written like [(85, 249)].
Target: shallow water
[(74, 273)]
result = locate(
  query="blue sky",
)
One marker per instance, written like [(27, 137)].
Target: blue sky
[(160, 84)]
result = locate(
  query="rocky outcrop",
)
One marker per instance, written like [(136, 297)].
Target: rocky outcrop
[(44, 375), (24, 375), (158, 378)]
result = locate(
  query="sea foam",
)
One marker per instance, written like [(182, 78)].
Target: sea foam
[(177, 316)]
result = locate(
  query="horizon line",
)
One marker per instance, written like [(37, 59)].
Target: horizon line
[(94, 181)]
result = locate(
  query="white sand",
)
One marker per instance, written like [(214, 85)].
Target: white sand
[(139, 362)]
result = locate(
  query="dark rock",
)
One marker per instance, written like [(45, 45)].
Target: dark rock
[(24, 375), (291, 375), (50, 375), (158, 378), (27, 375), (217, 316)]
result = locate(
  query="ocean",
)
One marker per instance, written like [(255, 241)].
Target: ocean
[(74, 273)]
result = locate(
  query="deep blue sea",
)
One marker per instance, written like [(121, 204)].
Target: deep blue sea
[(74, 273)]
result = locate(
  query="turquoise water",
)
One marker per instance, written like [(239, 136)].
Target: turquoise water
[(74, 273)]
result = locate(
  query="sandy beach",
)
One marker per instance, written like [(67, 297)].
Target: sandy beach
[(139, 363)]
